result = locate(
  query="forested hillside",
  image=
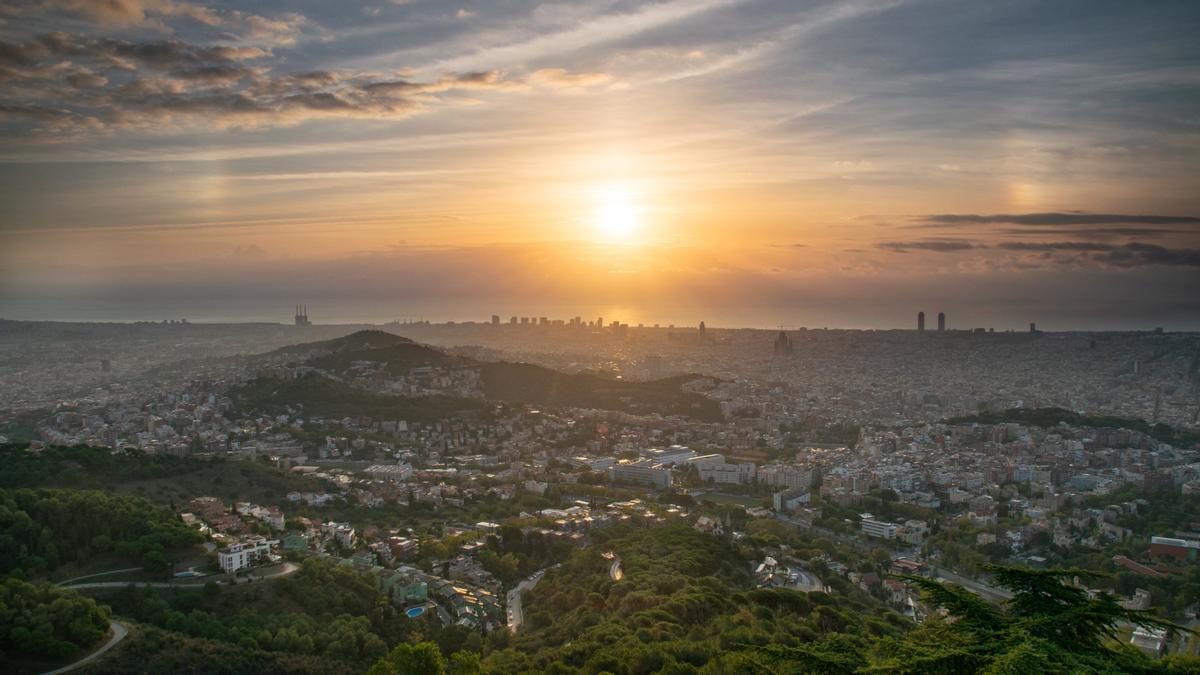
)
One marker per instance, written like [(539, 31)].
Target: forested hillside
[(40, 623), (42, 529), (685, 603)]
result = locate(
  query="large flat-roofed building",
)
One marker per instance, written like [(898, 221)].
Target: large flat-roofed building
[(786, 501), (1170, 547), (593, 463), (785, 476), (878, 528), (714, 468), (243, 555), (393, 472), (675, 454), (642, 472)]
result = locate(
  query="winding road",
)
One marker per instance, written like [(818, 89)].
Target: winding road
[(119, 631), (285, 570), (69, 582), (513, 599)]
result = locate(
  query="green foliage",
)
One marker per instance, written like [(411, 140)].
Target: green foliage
[(162, 478), (528, 383), (1048, 626), (153, 650), (398, 358), (323, 610), (686, 604), (41, 529), (46, 622), (86, 467), (320, 396), (1050, 417), (419, 659)]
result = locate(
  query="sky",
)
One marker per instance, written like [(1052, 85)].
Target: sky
[(743, 162)]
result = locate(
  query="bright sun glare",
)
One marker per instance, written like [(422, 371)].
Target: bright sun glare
[(616, 216)]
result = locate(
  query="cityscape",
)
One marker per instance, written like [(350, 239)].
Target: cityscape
[(628, 337)]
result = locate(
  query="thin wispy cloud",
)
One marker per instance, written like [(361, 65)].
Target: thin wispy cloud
[(1053, 219)]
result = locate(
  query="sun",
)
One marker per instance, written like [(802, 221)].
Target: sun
[(616, 216)]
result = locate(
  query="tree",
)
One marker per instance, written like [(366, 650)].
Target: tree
[(44, 621), (1047, 626), (465, 663), (418, 659)]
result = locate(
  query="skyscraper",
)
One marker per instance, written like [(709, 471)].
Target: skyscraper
[(921, 321), (783, 344), (941, 321)]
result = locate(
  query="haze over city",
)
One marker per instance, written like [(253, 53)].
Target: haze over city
[(744, 162)]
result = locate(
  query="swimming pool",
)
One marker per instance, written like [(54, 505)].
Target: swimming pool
[(414, 612)]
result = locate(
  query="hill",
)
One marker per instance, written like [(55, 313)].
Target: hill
[(356, 341), (398, 359), (527, 383), (320, 396), (502, 382)]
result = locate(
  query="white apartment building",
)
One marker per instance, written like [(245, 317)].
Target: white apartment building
[(243, 555)]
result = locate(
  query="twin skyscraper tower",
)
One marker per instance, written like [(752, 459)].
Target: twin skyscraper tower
[(921, 321)]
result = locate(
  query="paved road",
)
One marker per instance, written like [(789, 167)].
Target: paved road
[(614, 570), (807, 581), (990, 592), (118, 633), (68, 582), (516, 616), (288, 568), (513, 600)]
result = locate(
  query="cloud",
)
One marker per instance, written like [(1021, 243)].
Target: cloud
[(57, 125), (1137, 254), (940, 246), (1132, 254), (1053, 246), (237, 24), (1092, 232), (130, 12), (121, 54), (160, 85), (560, 78), (506, 48), (1054, 218)]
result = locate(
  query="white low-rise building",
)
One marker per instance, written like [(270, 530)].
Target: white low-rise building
[(243, 555), (878, 528)]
